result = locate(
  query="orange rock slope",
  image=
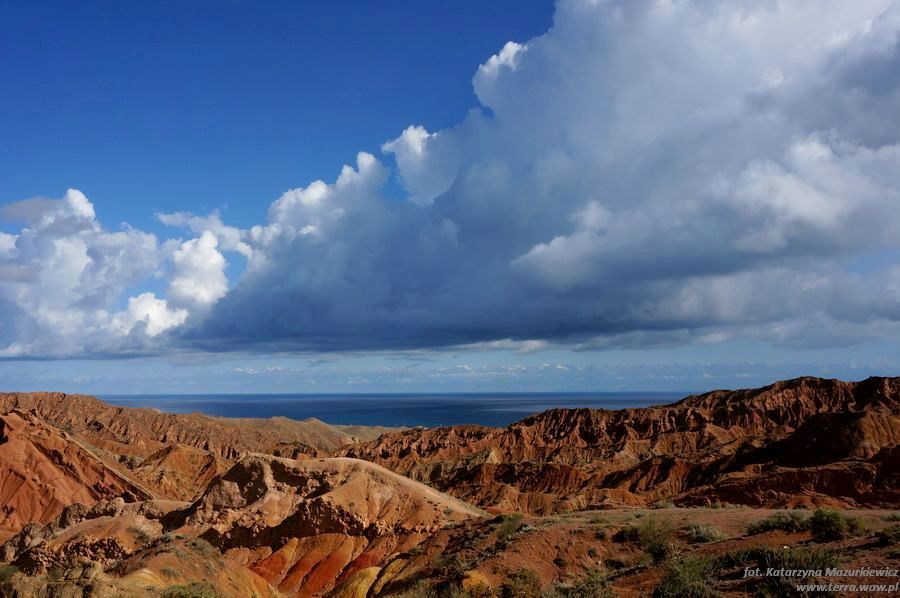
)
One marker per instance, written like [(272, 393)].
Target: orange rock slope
[(43, 470), (306, 525), (268, 524)]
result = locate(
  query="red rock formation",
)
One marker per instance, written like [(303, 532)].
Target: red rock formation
[(565, 459), (306, 525), (43, 469), (179, 472), (352, 529)]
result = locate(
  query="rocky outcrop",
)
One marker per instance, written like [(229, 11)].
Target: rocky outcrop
[(723, 444), (42, 470), (179, 472), (302, 527), (309, 524)]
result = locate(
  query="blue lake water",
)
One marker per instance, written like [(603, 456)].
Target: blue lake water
[(490, 409)]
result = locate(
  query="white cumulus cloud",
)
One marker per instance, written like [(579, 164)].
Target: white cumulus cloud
[(645, 173)]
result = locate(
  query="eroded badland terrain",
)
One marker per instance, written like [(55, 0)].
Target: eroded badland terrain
[(674, 500)]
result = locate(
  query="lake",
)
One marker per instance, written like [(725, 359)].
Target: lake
[(438, 409)]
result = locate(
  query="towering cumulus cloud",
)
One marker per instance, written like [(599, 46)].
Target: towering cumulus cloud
[(644, 172)]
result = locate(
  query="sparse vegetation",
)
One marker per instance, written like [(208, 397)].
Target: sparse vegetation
[(701, 533), (803, 557), (798, 557), (140, 536), (688, 577), (423, 589), (477, 591), (892, 517), (789, 521), (420, 590), (827, 526), (191, 590), (170, 572), (663, 504), (889, 536), (654, 536), (7, 571), (203, 547), (521, 583), (509, 525), (450, 568), (594, 585), (55, 574), (695, 576)]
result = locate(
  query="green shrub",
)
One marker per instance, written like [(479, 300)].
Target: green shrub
[(786, 521), (55, 574), (450, 567), (889, 536), (701, 533), (892, 517), (421, 589), (140, 536), (478, 591), (799, 557), (594, 585), (191, 590), (521, 583), (663, 504), (655, 537), (170, 572), (7, 572), (688, 577), (424, 590), (827, 525), (203, 547), (508, 527)]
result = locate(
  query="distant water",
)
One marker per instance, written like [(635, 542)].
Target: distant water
[(490, 409)]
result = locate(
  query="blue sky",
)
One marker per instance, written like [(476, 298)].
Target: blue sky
[(286, 196), (176, 106)]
